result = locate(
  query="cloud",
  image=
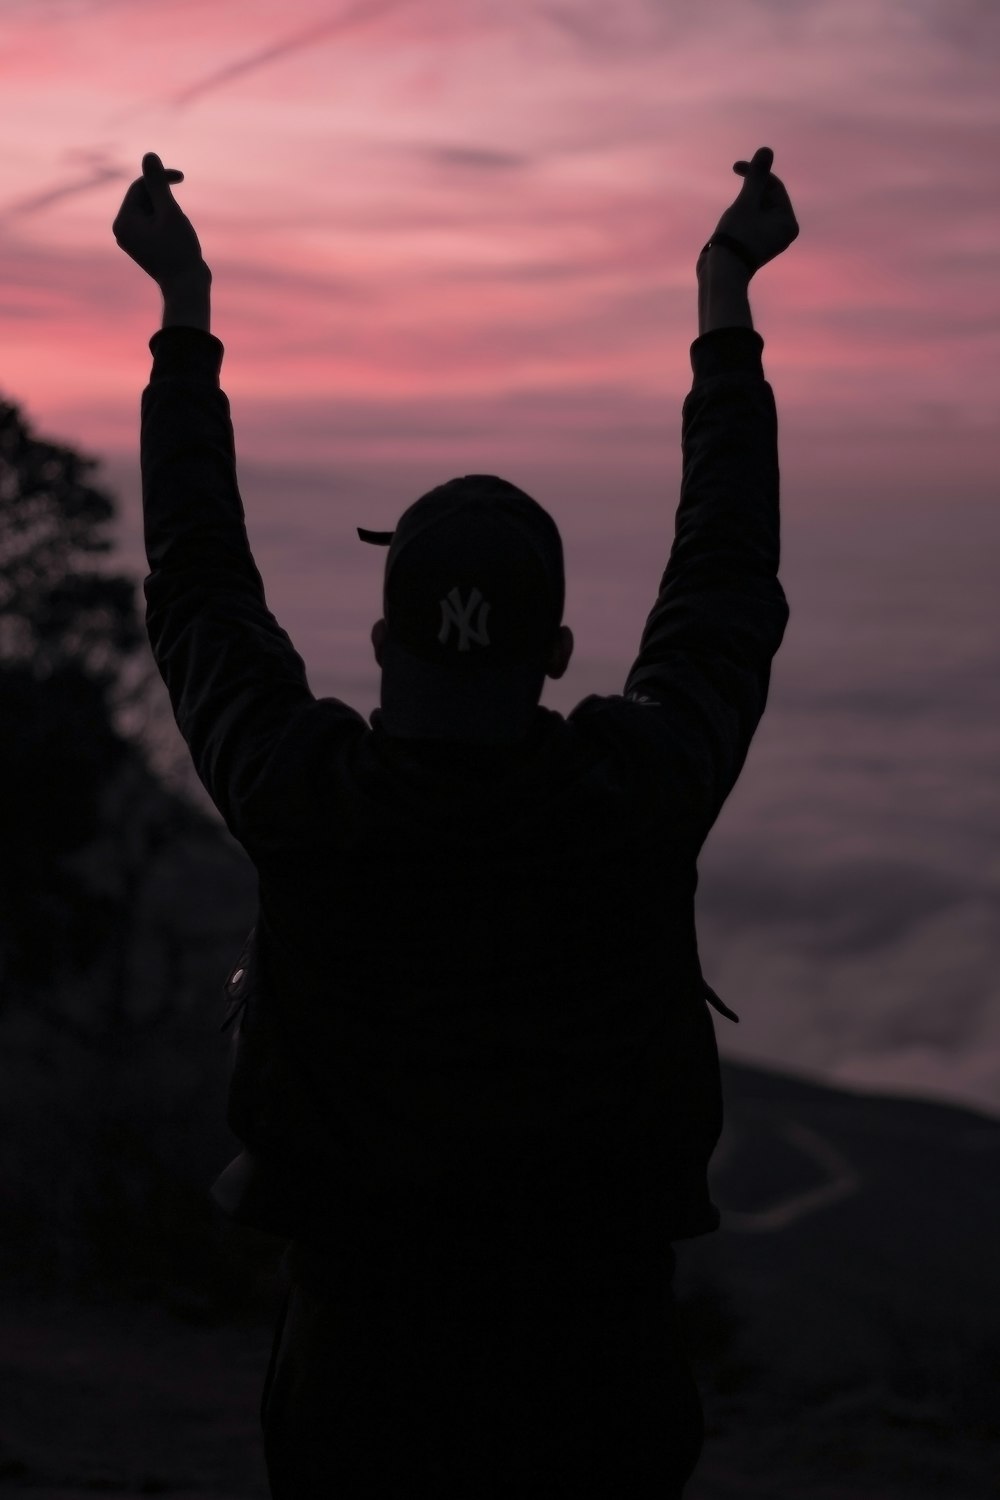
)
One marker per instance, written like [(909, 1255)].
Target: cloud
[(71, 281), (102, 171), (58, 10), (477, 157), (848, 905), (356, 16), (614, 32), (972, 27)]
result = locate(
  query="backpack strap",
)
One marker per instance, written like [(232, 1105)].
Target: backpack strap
[(715, 1002)]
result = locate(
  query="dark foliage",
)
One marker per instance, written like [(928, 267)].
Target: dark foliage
[(53, 609), (67, 633), (58, 752), (99, 983)]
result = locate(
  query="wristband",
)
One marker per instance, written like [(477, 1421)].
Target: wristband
[(729, 243)]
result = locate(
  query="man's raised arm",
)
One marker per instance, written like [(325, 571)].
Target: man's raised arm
[(237, 686), (705, 658)]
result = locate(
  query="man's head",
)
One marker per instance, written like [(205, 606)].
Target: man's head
[(472, 609)]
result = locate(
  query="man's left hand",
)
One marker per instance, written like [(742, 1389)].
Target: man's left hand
[(155, 232)]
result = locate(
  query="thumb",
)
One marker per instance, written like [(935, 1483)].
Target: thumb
[(758, 168), (155, 180)]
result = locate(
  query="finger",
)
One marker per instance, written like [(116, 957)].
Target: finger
[(173, 175), (776, 194), (761, 163), (741, 167), (155, 180), (135, 201)]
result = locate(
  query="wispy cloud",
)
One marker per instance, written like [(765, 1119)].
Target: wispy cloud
[(624, 30), (351, 19), (477, 157), (102, 170)]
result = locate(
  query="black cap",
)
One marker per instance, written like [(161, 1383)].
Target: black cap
[(473, 599)]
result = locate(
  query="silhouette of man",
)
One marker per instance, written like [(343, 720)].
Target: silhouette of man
[(477, 1081)]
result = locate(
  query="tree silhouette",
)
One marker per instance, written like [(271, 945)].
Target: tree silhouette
[(109, 1097), (67, 633), (54, 611)]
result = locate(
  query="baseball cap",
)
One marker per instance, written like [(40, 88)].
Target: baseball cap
[(473, 596)]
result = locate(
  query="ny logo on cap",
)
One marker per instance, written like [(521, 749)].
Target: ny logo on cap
[(455, 613)]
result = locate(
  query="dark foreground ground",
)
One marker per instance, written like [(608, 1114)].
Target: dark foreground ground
[(844, 1325)]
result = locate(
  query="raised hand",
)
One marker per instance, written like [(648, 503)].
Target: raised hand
[(152, 228), (761, 218)]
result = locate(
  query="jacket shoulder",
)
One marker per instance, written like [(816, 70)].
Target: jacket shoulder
[(643, 736)]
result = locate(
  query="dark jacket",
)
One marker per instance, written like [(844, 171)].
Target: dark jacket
[(475, 969)]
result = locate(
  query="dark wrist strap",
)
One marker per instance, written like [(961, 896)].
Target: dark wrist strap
[(729, 243)]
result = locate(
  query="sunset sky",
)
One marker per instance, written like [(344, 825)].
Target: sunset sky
[(435, 226), (460, 236)]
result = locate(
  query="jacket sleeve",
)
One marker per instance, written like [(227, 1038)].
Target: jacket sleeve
[(704, 662), (237, 686)]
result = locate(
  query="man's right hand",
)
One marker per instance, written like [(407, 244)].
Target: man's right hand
[(154, 231), (761, 218)]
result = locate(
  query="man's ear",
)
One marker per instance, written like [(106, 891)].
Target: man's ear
[(561, 653), (378, 639)]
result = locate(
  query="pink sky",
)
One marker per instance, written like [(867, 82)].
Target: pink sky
[(459, 236), (455, 235)]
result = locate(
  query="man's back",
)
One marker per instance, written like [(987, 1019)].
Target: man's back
[(497, 1014), (477, 952)]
